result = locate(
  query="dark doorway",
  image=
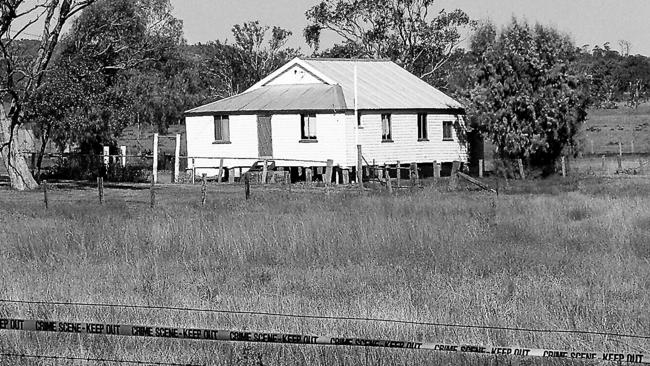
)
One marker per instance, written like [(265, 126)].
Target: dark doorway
[(264, 136)]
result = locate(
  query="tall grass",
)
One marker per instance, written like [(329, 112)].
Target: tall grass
[(572, 260)]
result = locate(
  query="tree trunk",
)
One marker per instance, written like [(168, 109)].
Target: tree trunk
[(20, 177)]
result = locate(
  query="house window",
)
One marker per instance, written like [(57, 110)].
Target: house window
[(423, 134), (308, 127), (447, 134), (386, 129), (221, 129)]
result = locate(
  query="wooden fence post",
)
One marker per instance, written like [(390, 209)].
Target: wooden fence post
[(155, 158), (264, 171), (193, 171), (359, 168), (632, 146), (620, 149), (399, 175), (309, 178), (417, 175), (563, 166), (220, 175), (436, 169), (204, 189), (592, 146), (107, 156), (640, 166), (100, 189), (480, 168), (177, 158), (521, 168), (247, 185), (603, 163), (231, 176), (47, 203), (453, 179), (346, 176), (619, 161), (152, 194), (328, 172), (389, 185), (123, 156)]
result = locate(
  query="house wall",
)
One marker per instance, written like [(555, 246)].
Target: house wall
[(200, 142), (330, 133), (286, 134), (405, 146)]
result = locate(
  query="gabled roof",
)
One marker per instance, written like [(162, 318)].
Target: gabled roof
[(279, 98), (381, 85)]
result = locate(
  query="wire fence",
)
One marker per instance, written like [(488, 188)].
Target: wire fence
[(331, 317)]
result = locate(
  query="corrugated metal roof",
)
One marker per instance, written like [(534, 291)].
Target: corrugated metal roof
[(382, 84), (304, 97)]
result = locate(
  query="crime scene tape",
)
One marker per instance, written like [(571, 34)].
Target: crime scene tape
[(287, 338)]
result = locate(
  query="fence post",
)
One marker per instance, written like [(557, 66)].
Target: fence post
[(453, 179), (220, 175), (123, 156), (640, 166), (177, 158), (563, 167), (359, 168), (44, 183), (231, 175), (328, 172), (193, 170), (264, 172), (204, 189), (592, 146), (152, 194), (346, 176), (603, 163), (155, 158), (620, 149), (412, 173), (480, 168), (308, 176), (521, 168), (620, 164), (399, 173), (107, 156), (632, 146), (436, 169), (389, 184), (100, 189), (247, 185)]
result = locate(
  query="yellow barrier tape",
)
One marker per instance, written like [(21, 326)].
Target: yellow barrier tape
[(264, 337)]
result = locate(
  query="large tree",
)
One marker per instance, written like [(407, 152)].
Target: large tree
[(410, 32), (20, 76), (257, 50), (525, 93), (116, 67)]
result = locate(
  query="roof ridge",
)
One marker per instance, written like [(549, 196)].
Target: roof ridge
[(347, 59)]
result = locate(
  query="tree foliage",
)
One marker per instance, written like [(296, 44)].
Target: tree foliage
[(237, 66), (409, 32), (525, 92)]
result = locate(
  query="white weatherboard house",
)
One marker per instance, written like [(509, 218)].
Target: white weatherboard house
[(306, 111)]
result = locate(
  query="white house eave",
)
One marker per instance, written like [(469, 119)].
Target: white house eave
[(287, 66)]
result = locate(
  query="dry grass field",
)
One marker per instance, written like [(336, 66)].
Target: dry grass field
[(607, 127), (571, 254)]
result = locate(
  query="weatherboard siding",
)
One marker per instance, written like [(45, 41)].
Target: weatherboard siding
[(405, 146), (200, 138), (330, 133)]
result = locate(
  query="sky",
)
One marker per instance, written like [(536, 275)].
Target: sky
[(589, 22)]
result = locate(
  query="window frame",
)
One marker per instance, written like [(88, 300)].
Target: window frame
[(386, 137), (220, 119), (423, 127), (450, 136), (311, 133)]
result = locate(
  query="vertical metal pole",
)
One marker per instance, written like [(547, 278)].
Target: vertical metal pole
[(177, 158)]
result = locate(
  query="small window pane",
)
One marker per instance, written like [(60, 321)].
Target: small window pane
[(447, 130), (423, 134), (308, 127), (221, 128)]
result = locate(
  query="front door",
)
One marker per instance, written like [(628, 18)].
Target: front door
[(264, 136)]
